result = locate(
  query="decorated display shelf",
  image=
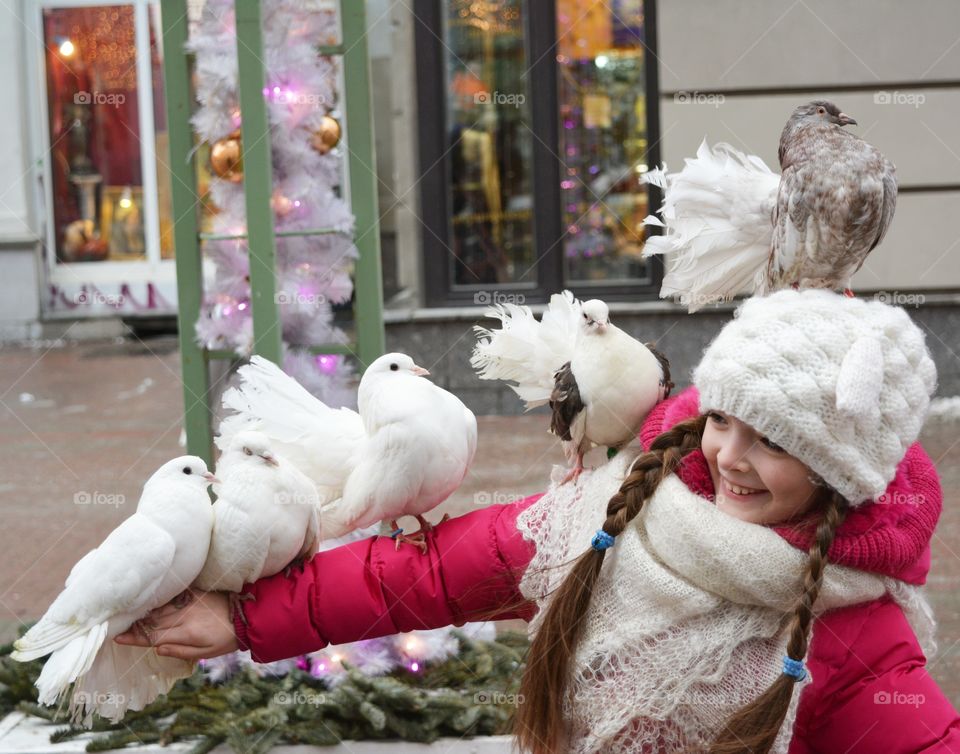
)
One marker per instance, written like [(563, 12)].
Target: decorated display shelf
[(23, 734)]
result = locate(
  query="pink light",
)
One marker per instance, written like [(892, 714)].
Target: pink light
[(327, 363), (242, 305), (296, 202), (276, 90), (414, 666)]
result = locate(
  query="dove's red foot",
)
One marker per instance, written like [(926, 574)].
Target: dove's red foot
[(426, 526), (418, 540), (575, 472), (236, 602), (848, 293)]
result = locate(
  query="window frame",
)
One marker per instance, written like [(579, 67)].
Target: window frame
[(540, 41)]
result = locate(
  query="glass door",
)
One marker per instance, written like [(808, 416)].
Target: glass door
[(107, 217)]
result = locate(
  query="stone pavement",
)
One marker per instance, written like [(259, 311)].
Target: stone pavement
[(83, 425)]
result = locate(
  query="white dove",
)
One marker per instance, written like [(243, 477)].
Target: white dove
[(145, 562), (266, 516), (600, 382), (404, 453)]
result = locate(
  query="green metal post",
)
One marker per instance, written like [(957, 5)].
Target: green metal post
[(363, 182), (258, 182), (185, 206)]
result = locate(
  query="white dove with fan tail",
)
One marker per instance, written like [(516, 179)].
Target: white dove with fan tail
[(420, 442), (732, 226), (599, 381), (266, 516), (145, 562)]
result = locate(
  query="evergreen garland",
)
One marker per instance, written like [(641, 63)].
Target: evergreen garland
[(469, 694)]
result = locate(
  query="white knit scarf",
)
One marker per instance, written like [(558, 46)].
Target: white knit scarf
[(686, 623)]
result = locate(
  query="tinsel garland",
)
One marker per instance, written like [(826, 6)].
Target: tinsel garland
[(471, 694)]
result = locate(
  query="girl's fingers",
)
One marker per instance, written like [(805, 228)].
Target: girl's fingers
[(182, 652)]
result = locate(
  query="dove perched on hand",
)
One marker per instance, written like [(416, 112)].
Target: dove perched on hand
[(266, 516), (733, 226), (145, 562), (600, 382), (404, 453)]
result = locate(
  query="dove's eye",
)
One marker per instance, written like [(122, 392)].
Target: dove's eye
[(822, 110), (394, 367), (187, 470), (248, 451), (584, 315)]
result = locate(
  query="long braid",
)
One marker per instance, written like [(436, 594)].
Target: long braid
[(539, 725), (754, 728)]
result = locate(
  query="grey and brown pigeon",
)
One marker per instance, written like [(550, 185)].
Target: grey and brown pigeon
[(732, 226), (599, 382)]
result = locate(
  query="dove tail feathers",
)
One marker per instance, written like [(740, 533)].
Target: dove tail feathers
[(526, 351), (122, 678), (68, 663), (717, 220)]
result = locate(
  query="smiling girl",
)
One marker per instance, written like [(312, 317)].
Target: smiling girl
[(747, 581)]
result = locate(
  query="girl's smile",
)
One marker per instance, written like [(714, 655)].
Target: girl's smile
[(755, 479)]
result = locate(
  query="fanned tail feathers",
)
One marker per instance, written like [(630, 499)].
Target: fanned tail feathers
[(717, 216), (526, 351)]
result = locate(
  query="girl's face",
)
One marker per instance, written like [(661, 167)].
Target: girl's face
[(754, 479)]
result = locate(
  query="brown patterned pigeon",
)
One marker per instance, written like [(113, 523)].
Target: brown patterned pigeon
[(732, 226), (836, 199)]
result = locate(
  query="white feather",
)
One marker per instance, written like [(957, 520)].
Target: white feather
[(717, 214), (526, 351)]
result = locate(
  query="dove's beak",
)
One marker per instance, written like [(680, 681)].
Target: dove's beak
[(211, 478), (846, 120), (269, 459), (419, 371)]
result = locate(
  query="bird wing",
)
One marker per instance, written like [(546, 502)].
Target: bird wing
[(526, 351), (890, 188), (120, 576), (716, 218), (321, 441), (238, 546), (565, 402)]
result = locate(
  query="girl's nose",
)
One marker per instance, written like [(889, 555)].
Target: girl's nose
[(733, 454)]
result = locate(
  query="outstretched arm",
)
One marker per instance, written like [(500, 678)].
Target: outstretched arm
[(471, 571)]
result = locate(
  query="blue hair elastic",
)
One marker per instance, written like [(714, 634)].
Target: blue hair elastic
[(794, 668), (601, 540)]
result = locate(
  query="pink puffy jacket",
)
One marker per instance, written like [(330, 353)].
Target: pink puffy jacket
[(871, 692)]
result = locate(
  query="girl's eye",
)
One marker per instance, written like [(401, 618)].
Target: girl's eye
[(772, 445), (718, 418)]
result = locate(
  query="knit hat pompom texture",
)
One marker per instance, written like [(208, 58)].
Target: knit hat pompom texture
[(842, 384)]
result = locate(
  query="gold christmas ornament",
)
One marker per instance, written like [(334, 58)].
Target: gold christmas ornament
[(226, 158), (281, 205), (327, 135)]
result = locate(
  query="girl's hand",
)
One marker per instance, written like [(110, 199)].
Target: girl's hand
[(199, 629)]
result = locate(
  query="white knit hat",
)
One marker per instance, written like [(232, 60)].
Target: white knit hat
[(842, 384)]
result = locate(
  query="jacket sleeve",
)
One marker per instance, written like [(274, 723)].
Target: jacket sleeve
[(471, 571), (871, 691)]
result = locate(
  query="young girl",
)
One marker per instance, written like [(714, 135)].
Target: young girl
[(773, 535)]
